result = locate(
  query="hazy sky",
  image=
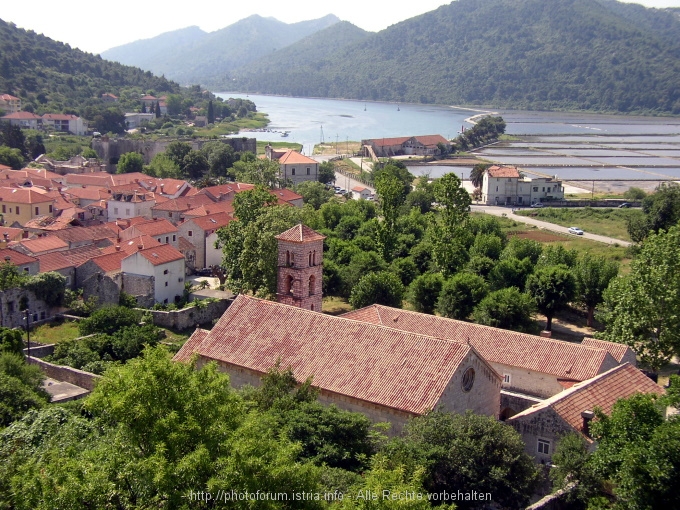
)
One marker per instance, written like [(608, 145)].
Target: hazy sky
[(97, 26)]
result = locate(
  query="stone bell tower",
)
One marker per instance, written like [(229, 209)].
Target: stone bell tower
[(300, 268)]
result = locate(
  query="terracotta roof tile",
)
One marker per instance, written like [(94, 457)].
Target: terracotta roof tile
[(601, 391), (503, 171), (80, 234), (217, 207), (23, 196), (82, 254), (44, 244), (185, 245), (563, 359), (300, 233), (16, 257), (292, 157), (285, 194), (162, 254), (53, 262), (59, 116), (154, 228), (372, 363), (212, 221), (22, 116), (184, 203), (110, 262), (616, 350), (191, 345)]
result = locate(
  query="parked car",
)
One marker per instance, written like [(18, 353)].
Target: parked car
[(537, 205), (576, 231), (624, 205)]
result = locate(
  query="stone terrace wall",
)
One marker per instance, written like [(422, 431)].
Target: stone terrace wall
[(67, 374), (189, 317)]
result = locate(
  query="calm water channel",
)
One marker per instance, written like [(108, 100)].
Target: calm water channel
[(574, 145)]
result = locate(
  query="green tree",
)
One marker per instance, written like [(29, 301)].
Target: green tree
[(467, 452), (552, 287), (383, 288), (10, 278), (326, 172), (130, 162), (108, 320), (11, 341), (477, 174), (593, 275), (49, 286), (453, 200), (314, 193), (634, 194), (163, 166), (143, 107), (390, 190), (176, 151), (194, 164), (259, 171), (211, 113), (661, 209), (507, 309), (424, 290), (220, 156), (510, 272), (11, 157), (157, 110), (572, 469), (487, 245), (460, 294), (398, 170), (520, 249), (642, 309), (174, 104), (20, 388)]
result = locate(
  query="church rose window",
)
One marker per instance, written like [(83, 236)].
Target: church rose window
[(468, 379)]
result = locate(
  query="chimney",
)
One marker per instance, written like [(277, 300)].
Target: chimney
[(546, 334), (140, 246), (587, 418), (117, 247)]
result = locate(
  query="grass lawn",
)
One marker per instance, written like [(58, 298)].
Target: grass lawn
[(261, 144), (606, 222), (54, 332), (333, 305)]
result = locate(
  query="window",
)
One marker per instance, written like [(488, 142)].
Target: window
[(42, 315), (4, 208), (289, 284), (166, 284), (468, 379), (543, 188), (127, 212), (509, 179), (312, 282), (167, 239), (174, 238), (115, 210), (308, 171), (170, 215), (292, 172), (165, 301), (535, 188), (190, 233), (37, 211), (10, 307), (287, 258), (310, 258), (506, 378), (50, 208), (496, 188), (25, 270), (544, 446), (165, 271), (314, 258), (17, 210)]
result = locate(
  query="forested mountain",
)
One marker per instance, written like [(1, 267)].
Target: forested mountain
[(51, 76), (539, 54), (147, 53), (208, 58)]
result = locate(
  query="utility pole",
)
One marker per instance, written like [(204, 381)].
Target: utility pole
[(336, 143)]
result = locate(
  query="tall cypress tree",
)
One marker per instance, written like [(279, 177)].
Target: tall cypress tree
[(158, 109), (143, 107), (211, 113)]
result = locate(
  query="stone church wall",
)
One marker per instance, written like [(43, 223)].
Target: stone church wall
[(300, 271)]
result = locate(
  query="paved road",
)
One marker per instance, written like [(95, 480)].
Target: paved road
[(507, 211), (348, 183)]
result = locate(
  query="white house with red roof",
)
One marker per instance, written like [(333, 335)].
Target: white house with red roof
[(9, 103), (504, 185), (164, 265), (26, 120), (422, 145), (361, 192), (201, 232), (294, 167), (161, 230), (63, 123)]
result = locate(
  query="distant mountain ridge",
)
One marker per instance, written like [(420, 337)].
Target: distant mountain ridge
[(192, 56), (597, 55)]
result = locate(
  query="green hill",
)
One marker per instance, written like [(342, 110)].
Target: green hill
[(532, 54), (50, 76), (207, 58)]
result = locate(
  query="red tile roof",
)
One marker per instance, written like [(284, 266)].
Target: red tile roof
[(110, 262), (292, 157), (80, 234), (59, 116), (44, 244), (16, 257), (204, 210), (162, 254), (503, 171), (225, 189), (300, 233), (13, 234), (431, 140), (53, 262), (381, 142), (376, 364), (191, 345), (82, 254), (185, 245), (23, 196), (88, 193), (153, 228), (8, 97), (601, 391), (212, 221), (562, 359), (22, 116), (618, 351), (358, 189), (285, 194), (184, 203)]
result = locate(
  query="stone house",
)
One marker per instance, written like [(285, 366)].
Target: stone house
[(13, 305), (165, 265), (294, 167), (40, 245), (425, 145), (387, 374), (533, 368), (198, 230), (58, 263), (542, 425), (503, 185), (124, 204), (134, 120), (24, 263)]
